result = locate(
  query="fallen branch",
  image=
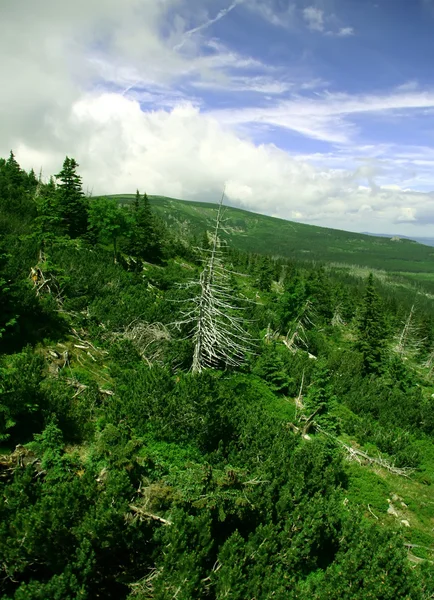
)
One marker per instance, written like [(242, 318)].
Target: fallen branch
[(360, 456), (81, 387), (142, 514)]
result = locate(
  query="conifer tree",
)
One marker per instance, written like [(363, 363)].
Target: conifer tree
[(48, 223), (372, 330), (264, 271), (72, 202), (144, 241), (107, 221), (136, 202)]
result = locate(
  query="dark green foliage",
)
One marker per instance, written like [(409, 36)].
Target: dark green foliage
[(292, 300), (264, 274), (146, 481), (372, 330), (49, 224), (271, 367), (71, 200), (145, 241), (107, 222)]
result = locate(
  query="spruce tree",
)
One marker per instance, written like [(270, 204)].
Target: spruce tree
[(72, 202), (372, 330), (136, 204), (49, 224), (144, 241)]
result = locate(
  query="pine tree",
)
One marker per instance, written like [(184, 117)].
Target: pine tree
[(48, 223), (107, 222), (136, 204), (205, 241), (264, 273), (144, 242), (14, 189), (372, 330), (72, 202)]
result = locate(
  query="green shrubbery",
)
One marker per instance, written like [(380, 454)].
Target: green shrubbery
[(139, 479)]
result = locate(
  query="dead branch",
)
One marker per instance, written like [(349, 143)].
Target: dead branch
[(337, 320), (81, 387), (45, 282), (21, 457), (407, 340), (296, 338), (143, 515), (149, 339), (362, 457)]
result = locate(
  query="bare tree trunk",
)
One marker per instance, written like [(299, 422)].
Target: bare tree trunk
[(218, 329)]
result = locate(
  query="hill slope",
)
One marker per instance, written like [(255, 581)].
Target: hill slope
[(268, 235)]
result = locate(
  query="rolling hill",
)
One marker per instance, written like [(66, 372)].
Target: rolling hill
[(269, 235)]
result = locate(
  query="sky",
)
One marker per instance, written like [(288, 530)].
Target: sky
[(318, 111)]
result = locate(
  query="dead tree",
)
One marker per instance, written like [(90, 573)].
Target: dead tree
[(296, 338), (217, 326), (407, 340)]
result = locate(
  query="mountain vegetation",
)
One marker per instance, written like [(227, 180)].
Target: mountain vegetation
[(251, 232), (292, 458)]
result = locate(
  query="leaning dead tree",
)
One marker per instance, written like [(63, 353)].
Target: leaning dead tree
[(215, 322), (408, 338), (296, 338), (44, 279)]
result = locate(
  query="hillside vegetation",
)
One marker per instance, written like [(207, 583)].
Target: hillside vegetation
[(302, 469), (252, 232)]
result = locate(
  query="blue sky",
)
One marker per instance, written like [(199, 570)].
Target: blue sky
[(319, 111)]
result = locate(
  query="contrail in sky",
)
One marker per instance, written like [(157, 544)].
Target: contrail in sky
[(219, 16)]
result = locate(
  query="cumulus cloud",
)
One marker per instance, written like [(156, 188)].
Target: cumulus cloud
[(345, 31), (101, 81), (184, 153), (314, 18)]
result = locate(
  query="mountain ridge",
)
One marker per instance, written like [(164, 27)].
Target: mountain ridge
[(249, 231)]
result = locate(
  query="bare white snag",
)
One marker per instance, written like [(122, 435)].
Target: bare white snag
[(407, 340), (296, 338), (217, 327)]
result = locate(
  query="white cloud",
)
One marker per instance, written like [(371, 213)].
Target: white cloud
[(277, 14), (345, 32), (327, 116), (314, 18), (58, 62), (220, 15), (184, 153)]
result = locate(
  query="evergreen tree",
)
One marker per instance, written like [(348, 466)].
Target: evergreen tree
[(319, 291), (291, 301), (15, 186), (72, 202), (107, 221), (136, 204), (49, 222), (205, 245), (144, 242), (264, 273), (372, 330)]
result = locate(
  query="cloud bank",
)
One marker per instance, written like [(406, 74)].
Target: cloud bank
[(123, 88)]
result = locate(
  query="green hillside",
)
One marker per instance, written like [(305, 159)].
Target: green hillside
[(252, 232), (296, 461)]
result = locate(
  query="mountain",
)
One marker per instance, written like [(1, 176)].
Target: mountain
[(428, 241), (253, 232)]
